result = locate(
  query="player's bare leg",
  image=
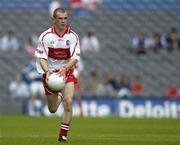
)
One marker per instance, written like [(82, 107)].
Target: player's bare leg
[(54, 101), (67, 114)]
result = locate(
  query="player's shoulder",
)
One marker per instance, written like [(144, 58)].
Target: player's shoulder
[(73, 34), (46, 33)]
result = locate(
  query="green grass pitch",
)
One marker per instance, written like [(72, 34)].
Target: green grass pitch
[(25, 130)]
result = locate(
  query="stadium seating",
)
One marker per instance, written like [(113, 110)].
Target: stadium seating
[(154, 5), (24, 4), (115, 30)]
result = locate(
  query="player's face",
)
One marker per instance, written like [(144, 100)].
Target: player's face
[(61, 20)]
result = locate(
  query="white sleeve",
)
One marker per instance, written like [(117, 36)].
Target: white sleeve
[(41, 52), (42, 48), (75, 47)]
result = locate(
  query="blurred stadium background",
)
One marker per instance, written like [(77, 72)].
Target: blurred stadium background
[(115, 23)]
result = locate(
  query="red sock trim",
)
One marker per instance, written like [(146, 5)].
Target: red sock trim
[(64, 129)]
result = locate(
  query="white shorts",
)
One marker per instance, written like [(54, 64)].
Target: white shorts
[(36, 88)]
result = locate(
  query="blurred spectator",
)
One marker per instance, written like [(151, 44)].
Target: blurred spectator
[(9, 42), (137, 87), (124, 87), (102, 90), (53, 5), (77, 8), (17, 88), (111, 84), (77, 72), (92, 85), (105, 89), (90, 43), (111, 79), (30, 46), (84, 7), (34, 39), (91, 4), (74, 4), (157, 42), (33, 79), (78, 68), (171, 40), (108, 87), (178, 92), (141, 43), (172, 90)]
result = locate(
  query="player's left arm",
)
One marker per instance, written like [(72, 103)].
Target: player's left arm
[(70, 64)]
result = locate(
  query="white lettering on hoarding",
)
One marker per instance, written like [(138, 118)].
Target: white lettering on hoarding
[(148, 109), (92, 109)]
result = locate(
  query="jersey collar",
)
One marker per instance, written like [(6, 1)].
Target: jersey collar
[(68, 29)]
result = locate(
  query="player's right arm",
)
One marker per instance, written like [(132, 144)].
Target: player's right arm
[(42, 55), (44, 66)]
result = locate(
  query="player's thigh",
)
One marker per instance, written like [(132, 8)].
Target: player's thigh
[(53, 102)]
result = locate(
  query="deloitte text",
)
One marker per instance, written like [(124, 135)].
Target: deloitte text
[(147, 108)]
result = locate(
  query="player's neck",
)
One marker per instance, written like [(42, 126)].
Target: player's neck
[(60, 30)]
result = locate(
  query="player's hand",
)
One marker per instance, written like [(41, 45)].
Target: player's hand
[(61, 71)]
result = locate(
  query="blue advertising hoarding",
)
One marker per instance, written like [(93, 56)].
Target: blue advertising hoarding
[(149, 108), (102, 107)]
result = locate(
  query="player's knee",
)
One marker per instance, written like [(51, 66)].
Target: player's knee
[(68, 105), (52, 109)]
